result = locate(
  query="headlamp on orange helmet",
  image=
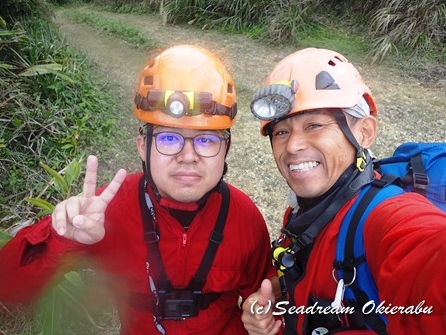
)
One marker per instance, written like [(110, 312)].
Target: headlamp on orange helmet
[(326, 80), (186, 87), (275, 100), (182, 103)]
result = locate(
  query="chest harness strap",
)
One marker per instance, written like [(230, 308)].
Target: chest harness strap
[(159, 283)]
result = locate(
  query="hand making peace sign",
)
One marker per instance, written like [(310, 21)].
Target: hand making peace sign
[(81, 218)]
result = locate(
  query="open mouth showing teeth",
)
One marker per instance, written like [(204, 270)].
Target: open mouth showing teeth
[(303, 166)]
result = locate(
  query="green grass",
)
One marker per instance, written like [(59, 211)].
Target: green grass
[(132, 36)]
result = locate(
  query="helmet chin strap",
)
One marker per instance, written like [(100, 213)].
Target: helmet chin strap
[(164, 201), (146, 164), (361, 156)]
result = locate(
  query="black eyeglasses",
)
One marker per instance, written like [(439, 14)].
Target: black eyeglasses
[(171, 143)]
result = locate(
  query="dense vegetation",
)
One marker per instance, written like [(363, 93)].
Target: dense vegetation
[(407, 26), (50, 106)]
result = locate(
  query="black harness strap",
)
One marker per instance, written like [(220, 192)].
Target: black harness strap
[(350, 260), (151, 238), (197, 281), (416, 177), (420, 180), (307, 237)]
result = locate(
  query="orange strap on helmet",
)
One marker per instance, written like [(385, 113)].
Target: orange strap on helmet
[(186, 87)]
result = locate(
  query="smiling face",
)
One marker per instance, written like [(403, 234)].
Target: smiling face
[(312, 152), (186, 176)]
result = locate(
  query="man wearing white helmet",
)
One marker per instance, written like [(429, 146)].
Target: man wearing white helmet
[(321, 120)]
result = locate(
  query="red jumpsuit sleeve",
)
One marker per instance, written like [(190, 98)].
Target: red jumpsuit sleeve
[(32, 259), (405, 241)]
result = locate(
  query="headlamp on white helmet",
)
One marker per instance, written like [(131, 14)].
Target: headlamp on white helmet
[(274, 101)]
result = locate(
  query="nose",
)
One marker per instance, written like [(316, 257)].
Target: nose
[(296, 142), (188, 154)]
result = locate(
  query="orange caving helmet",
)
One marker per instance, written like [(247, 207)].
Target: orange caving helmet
[(306, 80), (186, 87)]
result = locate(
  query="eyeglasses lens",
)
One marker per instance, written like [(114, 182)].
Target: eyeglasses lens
[(171, 143)]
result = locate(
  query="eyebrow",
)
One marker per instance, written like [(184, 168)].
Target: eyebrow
[(218, 132)]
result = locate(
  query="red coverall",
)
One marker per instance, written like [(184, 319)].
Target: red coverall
[(405, 247), (243, 259)]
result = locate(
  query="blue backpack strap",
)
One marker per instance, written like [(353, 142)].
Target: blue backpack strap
[(351, 259)]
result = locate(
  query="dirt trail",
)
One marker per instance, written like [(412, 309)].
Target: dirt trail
[(409, 109)]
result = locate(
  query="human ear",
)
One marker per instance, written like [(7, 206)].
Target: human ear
[(141, 146), (368, 128)]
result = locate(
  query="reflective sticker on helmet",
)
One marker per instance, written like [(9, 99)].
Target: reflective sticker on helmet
[(324, 81)]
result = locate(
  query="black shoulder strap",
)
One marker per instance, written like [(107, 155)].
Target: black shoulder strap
[(416, 177), (197, 281), (420, 180), (151, 239), (327, 213)]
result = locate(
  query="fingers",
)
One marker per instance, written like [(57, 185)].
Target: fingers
[(276, 328), (90, 177), (81, 218), (266, 293), (264, 324), (89, 187), (59, 218), (87, 230), (257, 311), (262, 299), (70, 221), (109, 193), (67, 214)]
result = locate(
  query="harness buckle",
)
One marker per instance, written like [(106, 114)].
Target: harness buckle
[(216, 237), (420, 181), (151, 237)]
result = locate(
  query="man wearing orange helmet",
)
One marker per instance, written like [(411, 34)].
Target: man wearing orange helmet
[(179, 245), (321, 121)]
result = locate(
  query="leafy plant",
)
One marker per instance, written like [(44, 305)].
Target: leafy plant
[(287, 20), (63, 182), (51, 106), (410, 24), (15, 10), (236, 15)]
